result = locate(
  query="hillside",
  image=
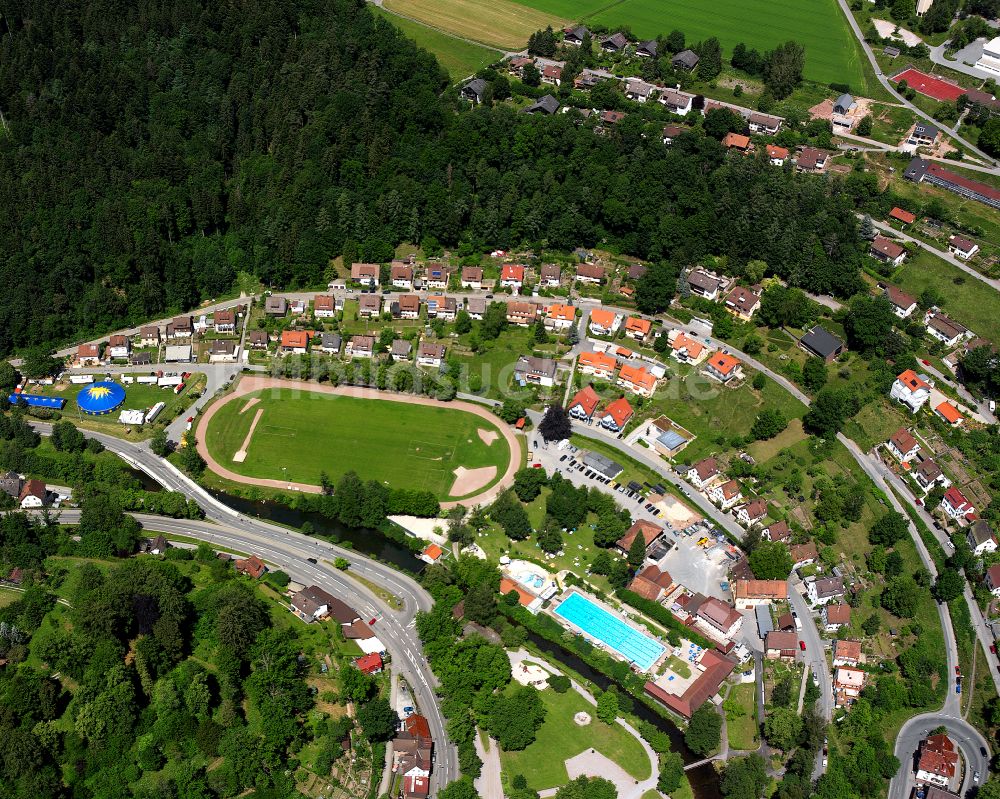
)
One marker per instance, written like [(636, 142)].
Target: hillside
[(161, 150)]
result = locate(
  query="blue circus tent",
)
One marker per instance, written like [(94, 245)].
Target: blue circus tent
[(98, 399)]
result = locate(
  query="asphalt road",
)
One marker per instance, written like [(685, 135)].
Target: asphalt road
[(289, 550)]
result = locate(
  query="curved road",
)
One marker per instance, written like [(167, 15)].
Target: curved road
[(290, 550), (966, 738)]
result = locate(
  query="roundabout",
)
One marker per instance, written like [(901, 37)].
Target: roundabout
[(286, 434)]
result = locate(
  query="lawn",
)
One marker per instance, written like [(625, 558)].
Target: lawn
[(741, 721), (301, 434), (8, 596), (678, 666), (499, 23), (560, 738), (966, 299), (832, 53), (459, 57)]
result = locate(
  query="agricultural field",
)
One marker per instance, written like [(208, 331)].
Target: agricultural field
[(299, 435), (499, 23), (832, 53), (459, 57)]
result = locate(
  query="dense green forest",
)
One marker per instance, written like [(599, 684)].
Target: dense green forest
[(154, 151)]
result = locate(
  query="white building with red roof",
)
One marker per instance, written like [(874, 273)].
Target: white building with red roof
[(583, 404), (616, 415), (911, 389), (958, 507)]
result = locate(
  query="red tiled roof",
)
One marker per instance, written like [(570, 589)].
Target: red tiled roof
[(650, 532), (294, 339), (637, 376), (849, 650), (949, 413), (839, 614), (587, 399), (717, 667), (369, 664), (433, 551), (903, 440), (512, 272), (722, 363), (903, 216), (912, 380), (888, 248), (602, 318), (620, 411), (417, 726), (638, 324)]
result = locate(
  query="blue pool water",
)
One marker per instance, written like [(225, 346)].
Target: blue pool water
[(596, 622)]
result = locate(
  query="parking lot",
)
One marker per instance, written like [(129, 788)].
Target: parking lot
[(697, 568)]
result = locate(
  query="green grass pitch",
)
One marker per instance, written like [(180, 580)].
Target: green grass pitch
[(402, 445)]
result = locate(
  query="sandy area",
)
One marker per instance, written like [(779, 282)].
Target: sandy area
[(678, 515), (469, 480), (487, 436), (250, 403), (887, 30), (592, 763), (241, 453), (250, 385)]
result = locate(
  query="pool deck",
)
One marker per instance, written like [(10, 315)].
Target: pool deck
[(600, 643)]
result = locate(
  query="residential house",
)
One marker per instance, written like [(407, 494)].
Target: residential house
[(575, 36), (88, 355), (313, 603), (401, 349), (848, 683), (928, 474), (949, 414), (811, 160), (836, 616), (442, 307), (546, 106), (803, 554), (430, 354), (34, 494), (550, 276), (614, 43), (822, 343), (781, 645), (294, 342), (475, 307), (750, 593), (923, 135), (436, 276), (902, 216), (275, 306), (742, 302), (902, 303), (297, 306), (474, 91), (603, 322), (677, 102), (720, 616), (846, 652), (149, 336), (225, 321), (704, 284), (962, 248), (723, 367), (324, 306), (365, 274), (119, 346), (521, 313), (737, 141), (512, 276), (180, 327), (535, 371), (911, 389), (560, 317), (616, 415), (945, 329), (140, 359), (638, 91), (826, 590), (11, 484), (401, 275), (779, 531), (599, 364), (902, 445), (685, 59), (636, 271), (636, 379), (330, 343), (686, 349), (843, 104), (887, 251), (646, 49), (257, 339), (958, 507), (583, 404), (472, 277), (751, 513), (981, 537), (409, 306), (651, 584), (252, 567), (671, 132), (937, 760), (776, 155), (992, 579), (764, 123), (703, 472), (650, 535), (223, 351), (369, 664), (638, 328), (517, 64), (360, 347), (369, 306), (726, 495), (590, 273), (552, 74)]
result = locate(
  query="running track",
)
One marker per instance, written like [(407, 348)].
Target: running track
[(249, 385)]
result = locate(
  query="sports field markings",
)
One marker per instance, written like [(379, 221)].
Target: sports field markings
[(241, 453), (250, 403)]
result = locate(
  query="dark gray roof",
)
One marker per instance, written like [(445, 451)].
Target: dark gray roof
[(647, 47), (529, 363), (915, 169), (601, 464), (844, 102), (578, 32), (923, 129), (331, 341), (821, 341), (688, 59), (543, 105), (476, 86)]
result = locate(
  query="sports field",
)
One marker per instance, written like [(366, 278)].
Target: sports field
[(500, 23), (299, 434)]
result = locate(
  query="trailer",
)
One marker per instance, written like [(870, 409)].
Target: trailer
[(81, 379), (155, 411), (169, 381), (146, 379)]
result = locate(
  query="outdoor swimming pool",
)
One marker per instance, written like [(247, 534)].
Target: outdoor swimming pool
[(607, 628), (531, 580)]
